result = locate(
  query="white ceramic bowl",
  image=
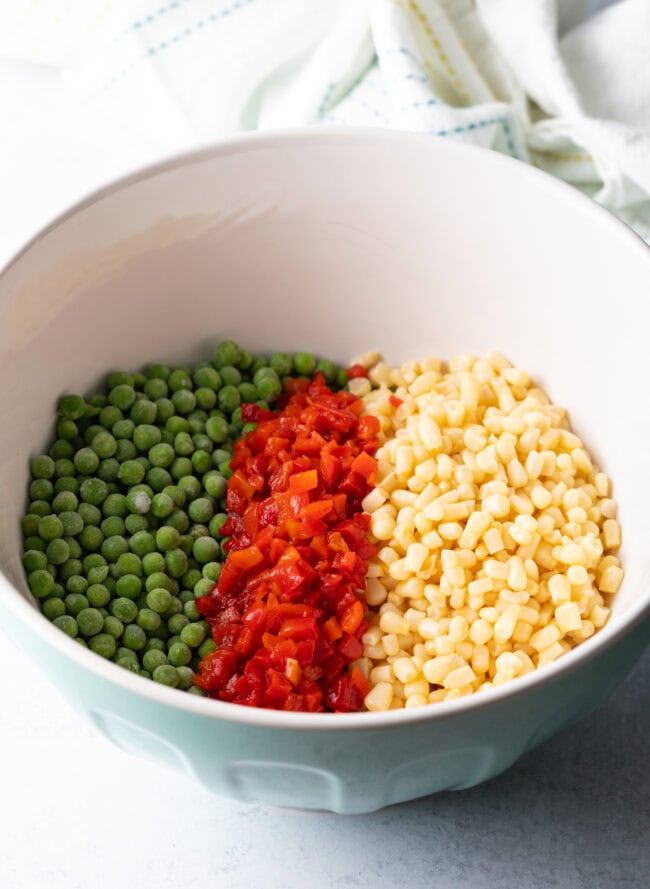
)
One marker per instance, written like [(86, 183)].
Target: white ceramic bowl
[(335, 242)]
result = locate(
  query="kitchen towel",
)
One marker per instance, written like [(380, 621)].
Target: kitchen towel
[(542, 80)]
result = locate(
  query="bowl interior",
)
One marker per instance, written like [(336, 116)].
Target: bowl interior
[(337, 243)]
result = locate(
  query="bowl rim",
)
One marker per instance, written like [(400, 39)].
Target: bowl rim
[(336, 137)]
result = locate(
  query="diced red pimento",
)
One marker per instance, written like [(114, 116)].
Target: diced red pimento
[(287, 614)]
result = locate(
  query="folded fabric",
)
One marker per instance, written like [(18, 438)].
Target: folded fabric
[(542, 80)]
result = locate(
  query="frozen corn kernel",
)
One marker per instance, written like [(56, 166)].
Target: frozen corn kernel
[(379, 697)]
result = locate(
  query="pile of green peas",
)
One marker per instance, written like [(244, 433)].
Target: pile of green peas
[(123, 528)]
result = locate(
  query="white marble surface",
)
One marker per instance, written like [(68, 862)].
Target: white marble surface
[(76, 813)]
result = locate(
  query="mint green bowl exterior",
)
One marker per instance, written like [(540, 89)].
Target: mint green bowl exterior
[(336, 242)]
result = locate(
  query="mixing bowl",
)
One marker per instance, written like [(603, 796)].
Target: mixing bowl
[(335, 242)]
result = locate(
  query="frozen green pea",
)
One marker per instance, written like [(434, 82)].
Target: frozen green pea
[(134, 637), (184, 401), (181, 466), (72, 523), (304, 363), (217, 429), (153, 563), (138, 501), (65, 501), (179, 654), (215, 484), (113, 626), (41, 583), (96, 573), (120, 378), (201, 509), (183, 444), (179, 379), (30, 524), (76, 584), (113, 547), (98, 595), (109, 416), (58, 552), (142, 543), (67, 430), (167, 538), (93, 491), (178, 520), (212, 570), (281, 363), (205, 549), (113, 526), (123, 431), (164, 409), (89, 621), (176, 623), (108, 469), (190, 485), (143, 412), (165, 674), (159, 579), (61, 450), (161, 455), (33, 560), (205, 398), (89, 513), (86, 461), (159, 599), (228, 399), (191, 612), (50, 527), (122, 396), (71, 407), (42, 489), (126, 450), (207, 647), (75, 602), (104, 445), (228, 353), (63, 466), (128, 586), (68, 624), (68, 569), (73, 546), (146, 436), (129, 563), (192, 634), (53, 608), (158, 478), (186, 677), (230, 376), (155, 389), (152, 659), (206, 377), (103, 644), (198, 530), (123, 609), (176, 562), (131, 472), (148, 619), (328, 370), (269, 389), (134, 523), (157, 372), (201, 461)]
